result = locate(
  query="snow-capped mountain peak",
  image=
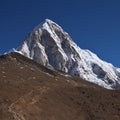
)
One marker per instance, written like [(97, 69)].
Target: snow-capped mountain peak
[(49, 45)]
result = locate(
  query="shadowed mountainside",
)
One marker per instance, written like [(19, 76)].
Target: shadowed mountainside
[(29, 91)]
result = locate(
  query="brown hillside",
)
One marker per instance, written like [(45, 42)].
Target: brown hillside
[(29, 91)]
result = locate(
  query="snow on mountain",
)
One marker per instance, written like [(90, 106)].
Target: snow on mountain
[(49, 45)]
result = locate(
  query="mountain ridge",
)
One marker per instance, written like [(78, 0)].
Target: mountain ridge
[(49, 45)]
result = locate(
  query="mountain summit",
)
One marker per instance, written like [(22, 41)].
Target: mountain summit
[(49, 45)]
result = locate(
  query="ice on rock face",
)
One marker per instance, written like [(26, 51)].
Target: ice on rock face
[(49, 45)]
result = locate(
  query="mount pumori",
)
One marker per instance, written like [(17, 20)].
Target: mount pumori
[(49, 45)]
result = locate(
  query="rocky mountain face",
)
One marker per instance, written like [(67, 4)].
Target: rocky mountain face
[(49, 45)]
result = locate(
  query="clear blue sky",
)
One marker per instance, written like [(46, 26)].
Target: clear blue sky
[(93, 24)]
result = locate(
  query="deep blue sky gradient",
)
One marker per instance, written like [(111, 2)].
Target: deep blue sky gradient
[(93, 24)]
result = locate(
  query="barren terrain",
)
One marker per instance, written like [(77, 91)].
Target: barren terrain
[(29, 91)]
